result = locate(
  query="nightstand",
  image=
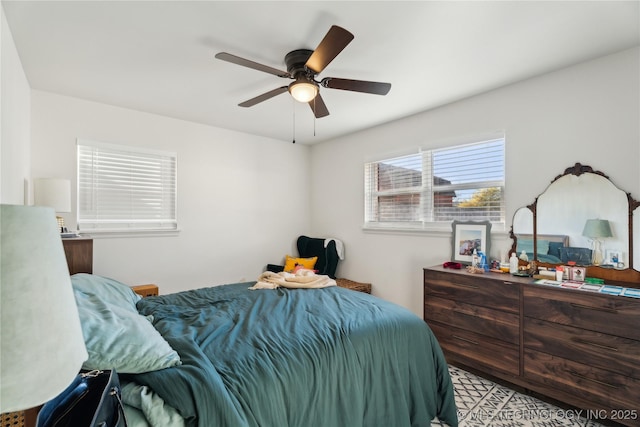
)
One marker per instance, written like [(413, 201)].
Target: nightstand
[(144, 291), (354, 286), (79, 253), (26, 418)]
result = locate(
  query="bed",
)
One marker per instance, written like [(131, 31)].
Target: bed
[(553, 249), (231, 356), (550, 247)]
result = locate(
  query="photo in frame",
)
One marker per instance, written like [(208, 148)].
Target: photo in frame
[(614, 257), (577, 274), (467, 236)]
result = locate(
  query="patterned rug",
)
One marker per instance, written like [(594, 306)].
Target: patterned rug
[(482, 403)]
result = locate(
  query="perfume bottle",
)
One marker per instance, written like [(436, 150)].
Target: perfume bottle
[(475, 259)]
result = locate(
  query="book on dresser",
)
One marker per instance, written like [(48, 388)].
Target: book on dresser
[(575, 346)]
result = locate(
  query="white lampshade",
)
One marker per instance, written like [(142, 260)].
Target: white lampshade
[(52, 192), (41, 344), (302, 90)]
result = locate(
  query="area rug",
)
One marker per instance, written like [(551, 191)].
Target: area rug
[(482, 403)]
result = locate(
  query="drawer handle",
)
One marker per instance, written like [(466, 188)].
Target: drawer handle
[(588, 307), (575, 374), (464, 285), (465, 339), (460, 312), (594, 344)]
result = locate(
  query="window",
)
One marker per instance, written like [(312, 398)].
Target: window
[(431, 188), (125, 189)]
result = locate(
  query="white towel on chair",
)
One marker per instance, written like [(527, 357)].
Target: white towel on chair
[(339, 247)]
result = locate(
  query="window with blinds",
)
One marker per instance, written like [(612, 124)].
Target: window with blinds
[(433, 187), (125, 189)]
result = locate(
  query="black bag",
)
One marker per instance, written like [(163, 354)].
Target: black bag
[(92, 400)]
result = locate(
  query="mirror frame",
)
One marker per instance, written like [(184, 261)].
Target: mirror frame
[(625, 276)]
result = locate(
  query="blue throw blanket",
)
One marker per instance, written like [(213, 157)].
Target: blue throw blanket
[(298, 357)]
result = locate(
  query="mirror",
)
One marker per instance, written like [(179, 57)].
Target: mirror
[(634, 206), (555, 222), (523, 221), (567, 204)]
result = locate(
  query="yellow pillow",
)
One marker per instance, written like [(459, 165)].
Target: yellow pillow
[(291, 263)]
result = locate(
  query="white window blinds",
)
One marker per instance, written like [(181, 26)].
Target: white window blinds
[(125, 189), (433, 187)]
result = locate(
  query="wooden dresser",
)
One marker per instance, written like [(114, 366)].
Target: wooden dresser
[(578, 347), (79, 253)]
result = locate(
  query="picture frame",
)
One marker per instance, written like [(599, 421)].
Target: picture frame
[(467, 236), (577, 274), (614, 257)]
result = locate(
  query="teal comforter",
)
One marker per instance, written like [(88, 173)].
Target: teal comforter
[(298, 357)]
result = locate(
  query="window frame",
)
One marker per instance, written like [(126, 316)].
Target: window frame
[(427, 190)]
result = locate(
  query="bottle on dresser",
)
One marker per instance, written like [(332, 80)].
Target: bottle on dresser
[(513, 263)]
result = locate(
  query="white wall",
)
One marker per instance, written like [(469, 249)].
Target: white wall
[(242, 199), (14, 121), (588, 113)]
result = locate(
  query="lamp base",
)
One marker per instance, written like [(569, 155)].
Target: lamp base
[(596, 255)]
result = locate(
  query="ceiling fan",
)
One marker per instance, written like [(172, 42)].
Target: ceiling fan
[(303, 65)]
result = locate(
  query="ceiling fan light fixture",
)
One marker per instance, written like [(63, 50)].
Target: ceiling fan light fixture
[(303, 65), (303, 90)]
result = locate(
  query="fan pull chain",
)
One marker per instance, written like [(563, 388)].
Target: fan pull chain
[(314, 115), (293, 103)]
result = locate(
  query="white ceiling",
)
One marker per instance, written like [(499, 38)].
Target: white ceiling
[(158, 56)]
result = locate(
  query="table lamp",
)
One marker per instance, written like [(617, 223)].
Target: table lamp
[(41, 343), (55, 193), (597, 229)]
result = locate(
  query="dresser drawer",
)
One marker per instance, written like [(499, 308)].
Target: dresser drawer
[(482, 320), (477, 289), (609, 352), (477, 350), (602, 313), (582, 381)]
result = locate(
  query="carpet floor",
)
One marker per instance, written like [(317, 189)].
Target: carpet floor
[(482, 403)]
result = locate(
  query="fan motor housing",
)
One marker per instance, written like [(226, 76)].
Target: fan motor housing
[(295, 61)]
